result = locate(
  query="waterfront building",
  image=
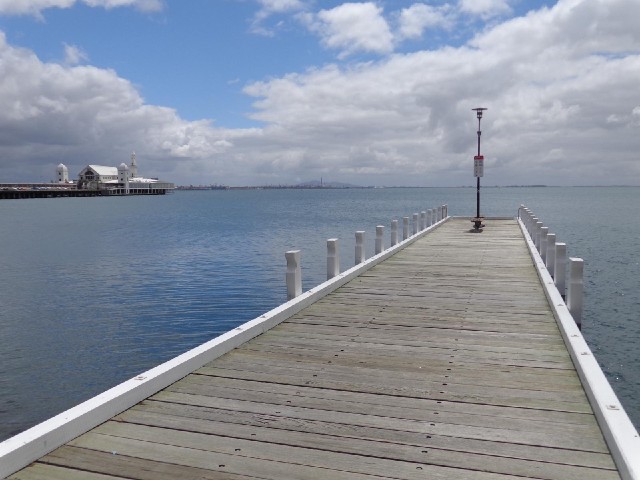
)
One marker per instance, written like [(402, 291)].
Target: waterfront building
[(93, 181), (94, 177), (62, 173), (121, 180)]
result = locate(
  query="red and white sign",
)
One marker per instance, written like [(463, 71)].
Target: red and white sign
[(478, 166)]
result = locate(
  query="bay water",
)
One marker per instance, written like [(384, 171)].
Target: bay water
[(97, 290)]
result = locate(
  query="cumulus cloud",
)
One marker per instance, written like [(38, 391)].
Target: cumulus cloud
[(485, 8), (35, 7), (577, 27), (364, 27), (82, 114), (420, 16), (551, 93), (353, 27)]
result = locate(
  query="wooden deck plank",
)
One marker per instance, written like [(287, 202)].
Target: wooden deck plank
[(418, 372), (293, 395), (430, 390), (409, 340), (444, 361), (250, 457), (374, 448), (434, 360), (355, 371), (321, 402), (113, 463), (41, 471), (474, 374), (453, 355), (497, 434), (442, 442), (191, 453), (440, 335)]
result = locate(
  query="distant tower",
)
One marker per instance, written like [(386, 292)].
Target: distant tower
[(62, 173), (134, 165), (123, 177)]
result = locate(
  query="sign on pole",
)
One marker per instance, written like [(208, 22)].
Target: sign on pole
[(478, 166)]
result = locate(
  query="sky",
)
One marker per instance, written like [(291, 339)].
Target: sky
[(277, 92)]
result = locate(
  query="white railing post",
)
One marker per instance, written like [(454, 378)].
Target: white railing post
[(415, 223), (534, 222), (444, 210), (379, 239), (423, 220), (544, 231), (438, 214), (427, 219), (560, 268), (536, 233), (360, 253), (394, 232), (526, 216), (405, 228), (551, 254), (333, 258), (294, 274), (575, 291)]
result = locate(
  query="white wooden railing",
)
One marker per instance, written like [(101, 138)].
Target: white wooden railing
[(421, 221), (621, 436), (554, 256)]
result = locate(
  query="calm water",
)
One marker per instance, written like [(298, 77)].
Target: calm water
[(97, 290)]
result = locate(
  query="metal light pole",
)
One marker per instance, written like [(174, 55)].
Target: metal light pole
[(478, 171)]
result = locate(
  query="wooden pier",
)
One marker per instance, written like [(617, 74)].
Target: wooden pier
[(52, 192), (444, 361), (45, 191)]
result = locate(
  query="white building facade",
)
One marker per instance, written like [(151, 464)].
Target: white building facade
[(95, 177), (62, 173), (121, 180)]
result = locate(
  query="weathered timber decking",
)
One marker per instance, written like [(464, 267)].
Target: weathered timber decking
[(443, 362)]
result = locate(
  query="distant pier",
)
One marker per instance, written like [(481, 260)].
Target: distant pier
[(450, 354), (93, 181), (12, 191)]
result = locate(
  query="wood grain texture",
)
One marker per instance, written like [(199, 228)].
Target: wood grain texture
[(442, 362)]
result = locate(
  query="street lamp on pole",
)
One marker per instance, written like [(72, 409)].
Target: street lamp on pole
[(478, 171)]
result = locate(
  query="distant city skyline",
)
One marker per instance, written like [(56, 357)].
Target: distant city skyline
[(270, 92)]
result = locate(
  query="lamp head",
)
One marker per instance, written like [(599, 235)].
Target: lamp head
[(479, 111)]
